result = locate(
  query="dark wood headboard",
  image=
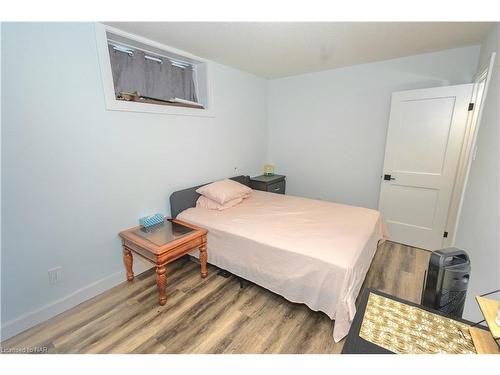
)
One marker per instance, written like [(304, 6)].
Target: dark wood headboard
[(183, 199)]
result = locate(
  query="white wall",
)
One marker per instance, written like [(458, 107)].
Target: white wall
[(74, 174), (327, 130), (479, 225)]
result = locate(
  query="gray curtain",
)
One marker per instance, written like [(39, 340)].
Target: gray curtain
[(150, 78)]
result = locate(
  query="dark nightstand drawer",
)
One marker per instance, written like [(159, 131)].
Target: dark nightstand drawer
[(278, 187), (274, 184)]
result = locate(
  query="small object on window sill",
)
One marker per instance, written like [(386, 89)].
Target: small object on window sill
[(128, 96)]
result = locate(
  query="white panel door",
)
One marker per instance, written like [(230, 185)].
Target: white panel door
[(424, 141)]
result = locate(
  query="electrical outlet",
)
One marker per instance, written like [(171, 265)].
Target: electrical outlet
[(55, 275)]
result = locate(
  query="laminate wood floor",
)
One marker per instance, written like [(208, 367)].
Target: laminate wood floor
[(212, 315)]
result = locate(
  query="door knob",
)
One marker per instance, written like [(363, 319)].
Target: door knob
[(387, 177)]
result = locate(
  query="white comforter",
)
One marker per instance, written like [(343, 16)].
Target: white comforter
[(308, 251)]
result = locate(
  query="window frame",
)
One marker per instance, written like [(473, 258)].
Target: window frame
[(203, 72)]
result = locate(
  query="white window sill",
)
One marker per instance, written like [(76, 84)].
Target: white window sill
[(121, 105)]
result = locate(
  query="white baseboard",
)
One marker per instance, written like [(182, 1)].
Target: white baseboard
[(41, 314)]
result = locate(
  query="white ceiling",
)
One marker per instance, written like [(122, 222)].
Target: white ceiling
[(279, 49)]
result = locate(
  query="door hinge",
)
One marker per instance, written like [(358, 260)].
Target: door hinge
[(445, 234), (471, 106)]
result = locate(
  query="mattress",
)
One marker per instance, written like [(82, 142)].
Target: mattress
[(309, 251)]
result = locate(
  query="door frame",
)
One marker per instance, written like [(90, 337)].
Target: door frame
[(468, 151)]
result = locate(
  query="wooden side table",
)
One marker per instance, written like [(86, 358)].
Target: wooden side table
[(487, 342), (161, 245)]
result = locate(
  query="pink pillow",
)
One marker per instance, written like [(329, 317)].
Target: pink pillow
[(204, 202), (223, 191)]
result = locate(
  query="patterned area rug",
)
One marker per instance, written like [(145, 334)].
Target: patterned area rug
[(405, 329)]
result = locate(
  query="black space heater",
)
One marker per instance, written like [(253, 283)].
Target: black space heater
[(447, 280)]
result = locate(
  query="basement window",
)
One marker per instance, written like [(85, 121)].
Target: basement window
[(145, 76)]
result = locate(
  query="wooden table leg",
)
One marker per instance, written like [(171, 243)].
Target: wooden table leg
[(128, 260), (161, 282), (203, 260)]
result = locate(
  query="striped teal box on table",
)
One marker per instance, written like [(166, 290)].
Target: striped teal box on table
[(148, 221)]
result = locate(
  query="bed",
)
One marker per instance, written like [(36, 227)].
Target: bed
[(308, 251)]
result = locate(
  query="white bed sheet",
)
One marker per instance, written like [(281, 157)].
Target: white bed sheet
[(309, 251)]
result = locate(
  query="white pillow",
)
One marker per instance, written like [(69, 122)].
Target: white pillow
[(223, 191), (204, 202)]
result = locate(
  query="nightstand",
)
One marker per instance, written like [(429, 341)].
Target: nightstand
[(273, 184)]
